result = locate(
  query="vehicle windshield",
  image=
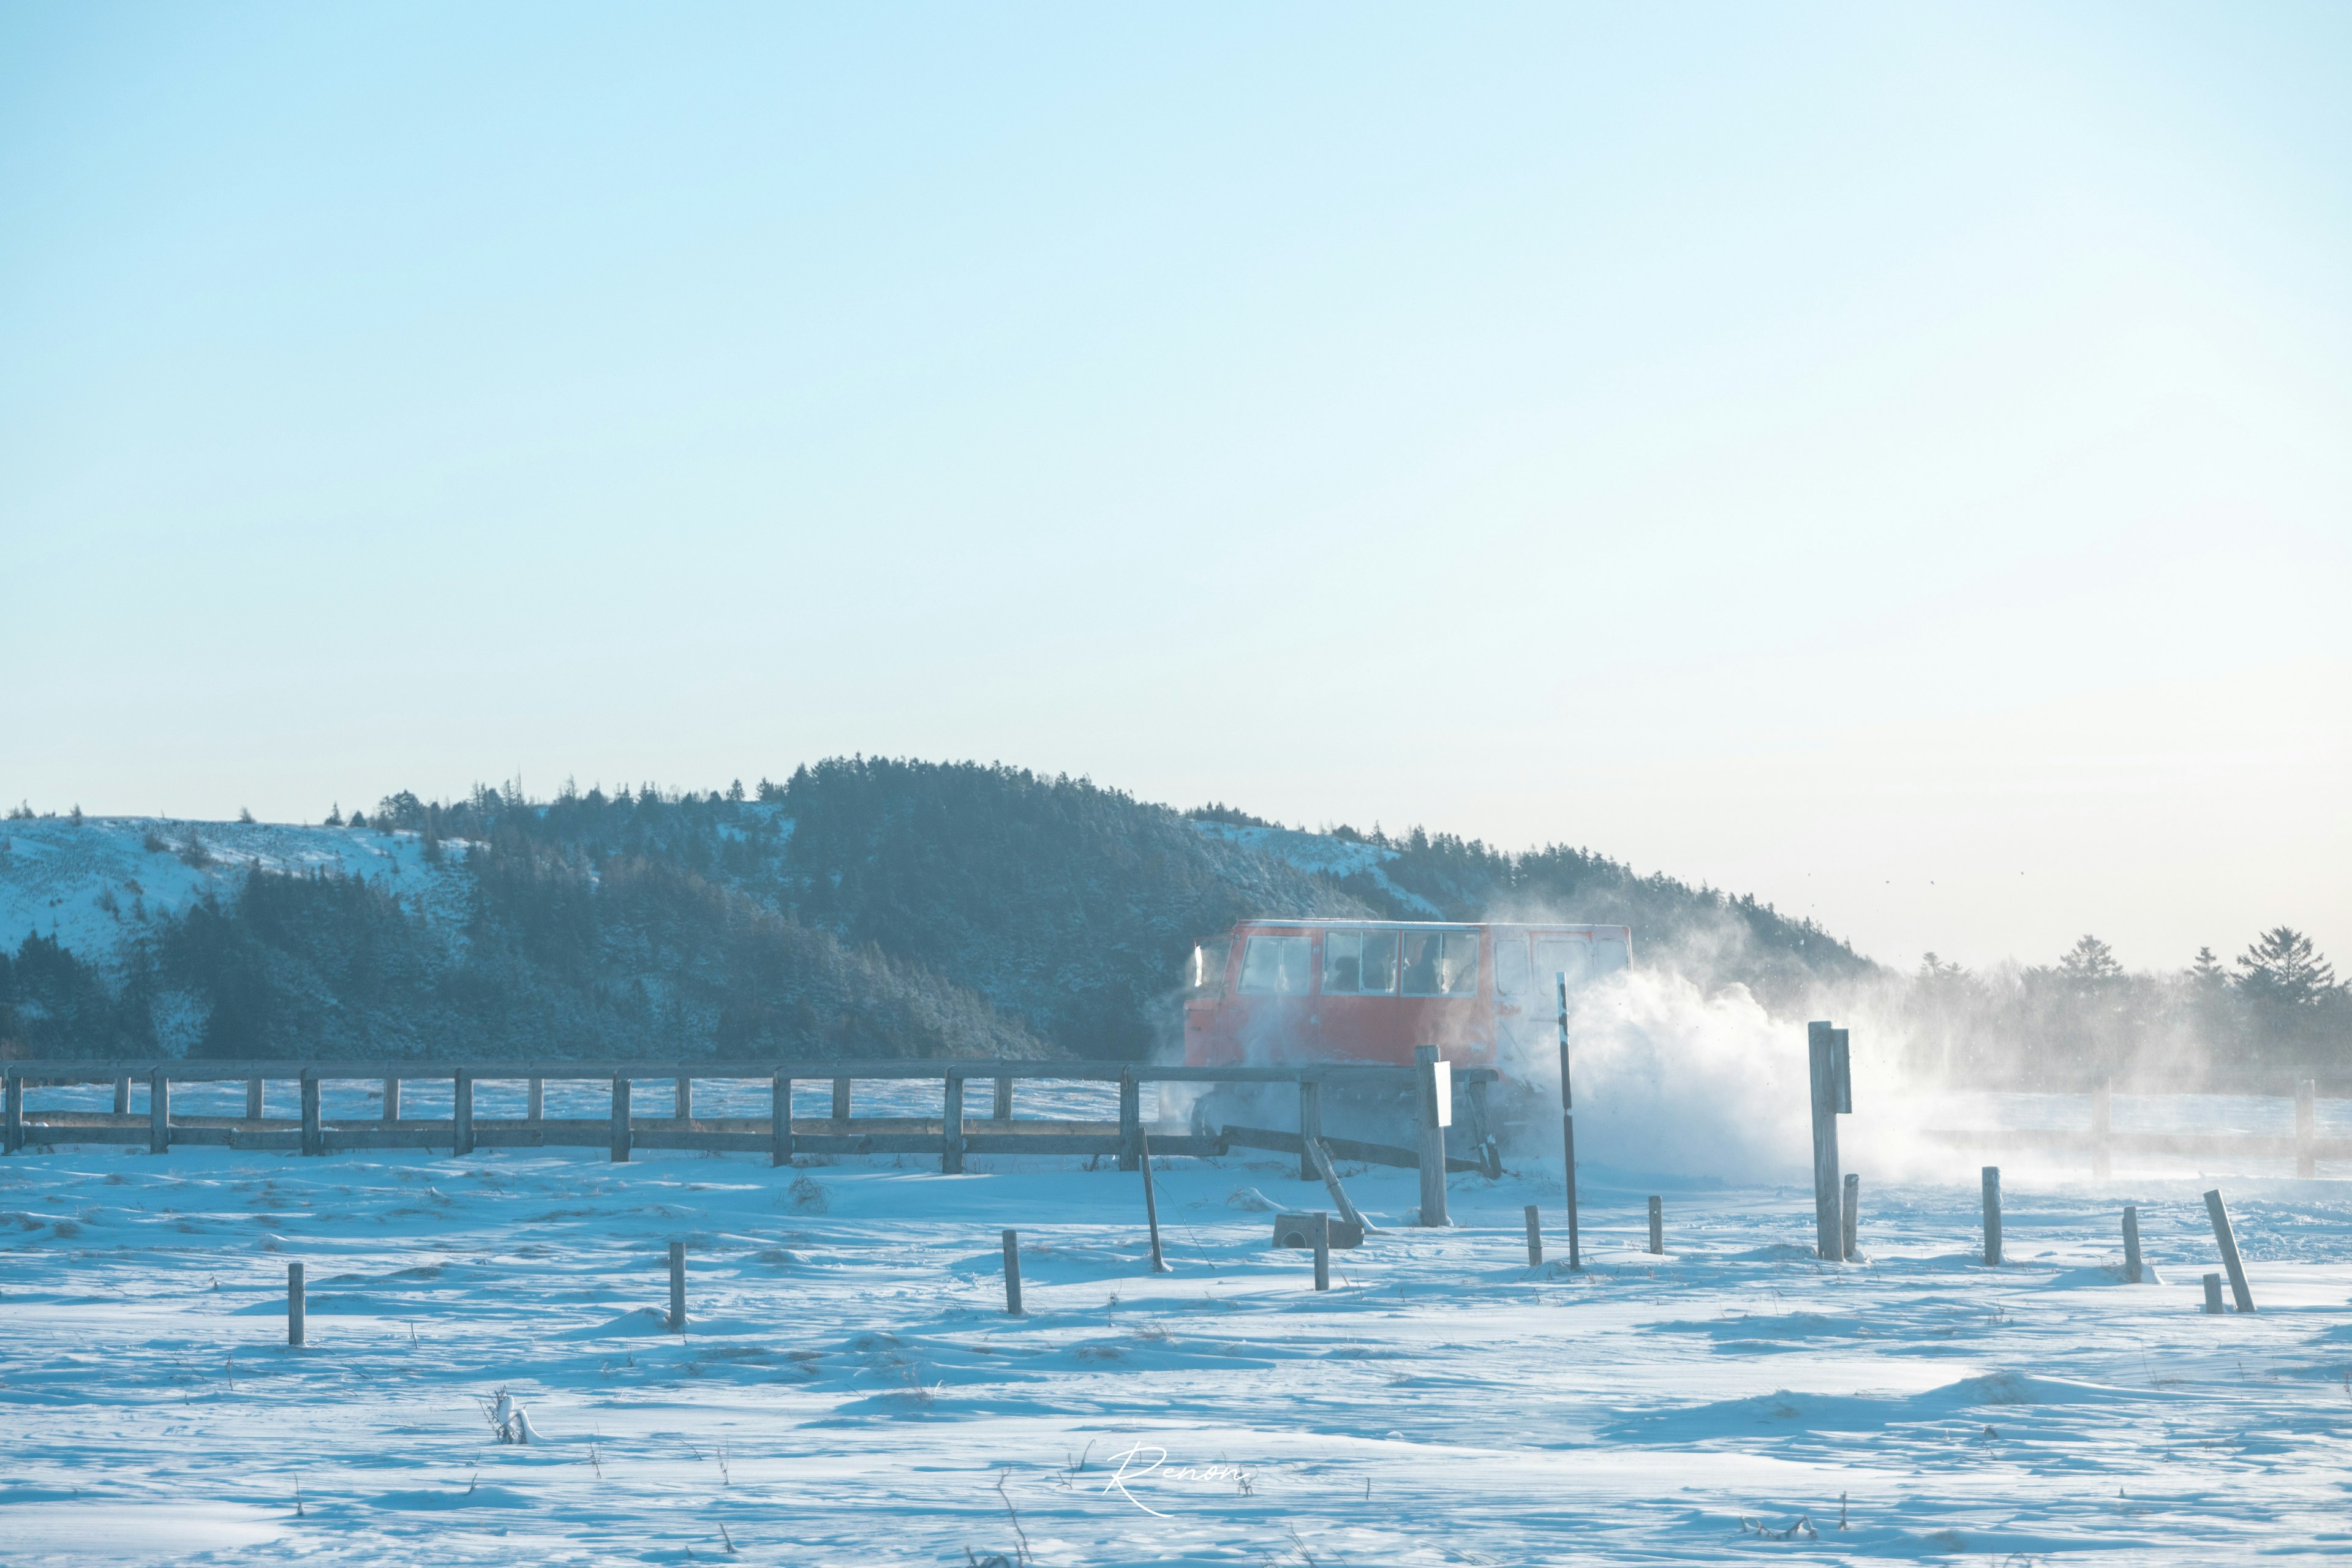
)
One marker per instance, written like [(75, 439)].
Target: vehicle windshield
[(1207, 973)]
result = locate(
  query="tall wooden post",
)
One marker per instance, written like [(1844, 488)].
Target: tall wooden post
[(1151, 1207), (952, 1127), (2103, 1119), (1130, 1118), (779, 1121), (1568, 1123), (461, 1112), (620, 1118), (390, 1100), (1310, 1126), (678, 1286), (314, 1132), (1992, 1216), (2133, 1271), (1434, 1080), (1832, 1091), (297, 1306), (2306, 1127), (2226, 1239), (159, 1111)]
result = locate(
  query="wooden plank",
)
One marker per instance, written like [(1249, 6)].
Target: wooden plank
[(1098, 1143), (1992, 1216), (374, 1135), (1278, 1141), (558, 1133), (240, 1135), (44, 1131), (69, 1070), (159, 1114), (734, 1143), (2226, 1239)]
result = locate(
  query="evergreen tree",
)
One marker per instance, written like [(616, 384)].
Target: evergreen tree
[(2282, 969)]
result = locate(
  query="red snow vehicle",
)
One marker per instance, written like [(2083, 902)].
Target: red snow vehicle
[(1278, 993)]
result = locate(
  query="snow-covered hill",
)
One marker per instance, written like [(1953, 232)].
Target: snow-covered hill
[(94, 885)]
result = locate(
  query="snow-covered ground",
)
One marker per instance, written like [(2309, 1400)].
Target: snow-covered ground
[(849, 1390)]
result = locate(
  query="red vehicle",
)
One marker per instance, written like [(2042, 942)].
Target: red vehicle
[(1276, 992)]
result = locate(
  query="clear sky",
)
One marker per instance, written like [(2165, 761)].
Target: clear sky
[(1894, 459)]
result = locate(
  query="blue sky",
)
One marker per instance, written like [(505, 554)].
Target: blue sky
[(1890, 459)]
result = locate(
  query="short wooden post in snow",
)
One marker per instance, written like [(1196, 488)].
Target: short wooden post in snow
[(678, 1286), (1657, 1225), (2133, 1271), (1830, 1071), (841, 1100), (952, 1127), (1992, 1216), (534, 1105), (1012, 1273), (2213, 1294), (1534, 1236), (159, 1111), (2306, 1127), (1321, 1237), (2226, 1239), (1310, 1126), (1433, 1080), (620, 1118), (1152, 1205), (461, 1112), (1567, 1122), (1005, 1099), (391, 1099), (685, 1099), (779, 1121), (314, 1136), (122, 1094), (295, 1305), (1850, 1222), (1130, 1118), (2102, 1127), (253, 1099)]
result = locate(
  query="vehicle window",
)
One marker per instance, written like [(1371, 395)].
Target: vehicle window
[(1558, 955), (1359, 962), (1511, 972), (1420, 964), (1208, 972), (1457, 973), (1274, 966)]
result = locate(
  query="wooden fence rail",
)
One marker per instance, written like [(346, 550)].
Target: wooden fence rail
[(952, 1136)]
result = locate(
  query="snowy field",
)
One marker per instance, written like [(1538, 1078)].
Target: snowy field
[(849, 1390)]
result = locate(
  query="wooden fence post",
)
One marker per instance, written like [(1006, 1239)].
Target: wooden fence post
[(122, 1094), (461, 1113), (841, 1100), (1012, 1273), (534, 1105), (390, 1100), (1310, 1125), (1005, 1099), (2132, 1268), (1567, 1122), (1850, 1222), (253, 1099), (1832, 1091), (685, 1099), (159, 1111), (2226, 1239), (1152, 1205), (314, 1136), (2103, 1119), (2306, 1127), (678, 1286), (1130, 1118), (296, 1305), (1321, 1237), (14, 1137), (1535, 1236), (1992, 1216), (2213, 1294), (620, 1118), (779, 1121), (952, 1127), (1658, 1226), (1434, 1080)]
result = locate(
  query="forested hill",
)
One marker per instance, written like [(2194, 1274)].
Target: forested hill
[(862, 907)]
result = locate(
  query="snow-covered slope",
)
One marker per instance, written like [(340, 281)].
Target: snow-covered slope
[(94, 885), (1321, 852)]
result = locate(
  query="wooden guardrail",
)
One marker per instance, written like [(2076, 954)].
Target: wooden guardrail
[(2102, 1142), (780, 1134)]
